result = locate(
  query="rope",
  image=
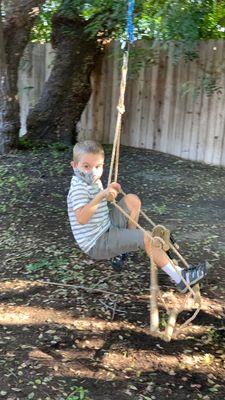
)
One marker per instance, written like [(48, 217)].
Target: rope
[(154, 317), (121, 110), (121, 107), (198, 300), (117, 157), (154, 291)]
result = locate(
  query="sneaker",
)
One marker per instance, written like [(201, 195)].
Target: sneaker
[(118, 261), (192, 276), (125, 256), (170, 254)]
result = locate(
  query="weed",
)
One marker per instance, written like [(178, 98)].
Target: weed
[(79, 393), (3, 208), (208, 359), (58, 146), (45, 264), (58, 267), (3, 173), (214, 336), (44, 163), (159, 209), (57, 168), (163, 321), (25, 144), (56, 196)]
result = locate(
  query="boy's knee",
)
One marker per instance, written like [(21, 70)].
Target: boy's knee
[(132, 201)]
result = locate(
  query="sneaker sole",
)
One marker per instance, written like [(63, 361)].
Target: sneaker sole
[(185, 290), (197, 280)]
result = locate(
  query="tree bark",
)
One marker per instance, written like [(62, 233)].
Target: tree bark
[(68, 89), (15, 30)]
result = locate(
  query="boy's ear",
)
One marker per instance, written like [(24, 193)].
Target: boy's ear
[(73, 164)]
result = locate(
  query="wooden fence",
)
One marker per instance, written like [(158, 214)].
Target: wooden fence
[(161, 113)]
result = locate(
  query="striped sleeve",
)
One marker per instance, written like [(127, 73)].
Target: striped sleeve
[(79, 196)]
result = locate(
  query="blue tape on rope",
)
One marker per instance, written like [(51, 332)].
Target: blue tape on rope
[(130, 26)]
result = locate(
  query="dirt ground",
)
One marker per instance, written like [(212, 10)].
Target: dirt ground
[(67, 343)]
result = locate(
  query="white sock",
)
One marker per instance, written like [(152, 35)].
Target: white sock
[(173, 274)]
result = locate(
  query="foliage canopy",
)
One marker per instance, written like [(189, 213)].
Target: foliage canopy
[(186, 21)]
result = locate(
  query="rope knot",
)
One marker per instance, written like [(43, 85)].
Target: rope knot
[(121, 109), (162, 234), (158, 242)]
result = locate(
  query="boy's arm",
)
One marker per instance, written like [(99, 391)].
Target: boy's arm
[(84, 214)]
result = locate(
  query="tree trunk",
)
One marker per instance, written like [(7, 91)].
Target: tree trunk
[(68, 89), (15, 30)]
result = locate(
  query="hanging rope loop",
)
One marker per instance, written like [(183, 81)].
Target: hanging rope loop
[(160, 236)]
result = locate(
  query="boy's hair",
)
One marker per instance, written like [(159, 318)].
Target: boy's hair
[(88, 146)]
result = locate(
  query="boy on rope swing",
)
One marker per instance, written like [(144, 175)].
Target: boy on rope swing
[(104, 234)]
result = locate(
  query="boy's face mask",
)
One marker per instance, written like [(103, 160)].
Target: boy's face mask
[(87, 177)]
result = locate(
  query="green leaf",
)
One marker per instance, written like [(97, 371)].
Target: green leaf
[(213, 389)]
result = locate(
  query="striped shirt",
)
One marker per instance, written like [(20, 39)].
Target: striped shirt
[(80, 194)]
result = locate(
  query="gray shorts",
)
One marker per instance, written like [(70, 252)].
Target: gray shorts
[(118, 239)]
